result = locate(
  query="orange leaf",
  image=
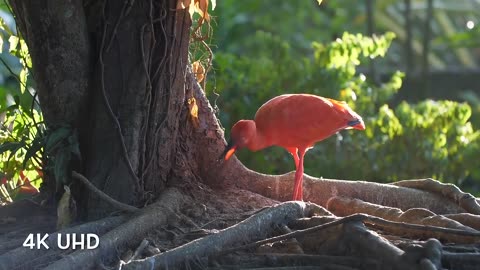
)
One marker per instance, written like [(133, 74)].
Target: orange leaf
[(201, 7), (190, 4), (193, 108), (198, 70)]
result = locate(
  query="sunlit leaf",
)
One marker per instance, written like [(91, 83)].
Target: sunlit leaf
[(198, 6), (198, 70), (13, 40), (193, 108), (4, 27), (25, 55), (23, 79), (201, 7)]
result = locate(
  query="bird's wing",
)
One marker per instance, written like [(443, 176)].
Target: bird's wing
[(294, 120)]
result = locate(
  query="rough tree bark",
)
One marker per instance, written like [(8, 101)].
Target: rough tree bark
[(118, 74), (115, 71)]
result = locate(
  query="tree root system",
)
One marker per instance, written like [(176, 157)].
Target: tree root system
[(239, 229)]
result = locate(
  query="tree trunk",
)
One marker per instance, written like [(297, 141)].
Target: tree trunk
[(117, 73)]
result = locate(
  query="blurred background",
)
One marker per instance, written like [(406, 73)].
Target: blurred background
[(409, 67)]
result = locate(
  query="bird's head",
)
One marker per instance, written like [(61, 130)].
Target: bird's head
[(242, 134)]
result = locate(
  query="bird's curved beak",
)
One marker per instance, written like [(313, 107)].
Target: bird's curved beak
[(229, 151), (356, 124)]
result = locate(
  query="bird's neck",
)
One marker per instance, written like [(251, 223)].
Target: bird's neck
[(258, 142)]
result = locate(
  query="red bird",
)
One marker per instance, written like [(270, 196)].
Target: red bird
[(295, 122)]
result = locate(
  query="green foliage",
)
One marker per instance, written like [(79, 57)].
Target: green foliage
[(21, 126), (27, 148), (297, 22), (18, 48), (21, 135), (428, 139), (61, 146)]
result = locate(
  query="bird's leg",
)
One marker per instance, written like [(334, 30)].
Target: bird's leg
[(294, 152), (298, 187)]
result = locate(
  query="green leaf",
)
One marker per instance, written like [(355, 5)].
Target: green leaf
[(14, 148), (10, 146), (36, 145), (4, 27), (23, 79), (25, 55), (13, 40), (56, 137)]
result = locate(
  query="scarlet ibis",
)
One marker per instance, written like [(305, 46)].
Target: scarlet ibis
[(295, 122)]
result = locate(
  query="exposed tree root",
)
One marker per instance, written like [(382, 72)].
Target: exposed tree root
[(450, 191), (279, 259), (295, 245), (349, 234), (294, 234), (323, 241), (470, 220), (133, 256), (126, 234), (319, 190), (25, 258), (320, 267), (413, 231), (461, 261), (258, 225), (342, 206), (371, 245)]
